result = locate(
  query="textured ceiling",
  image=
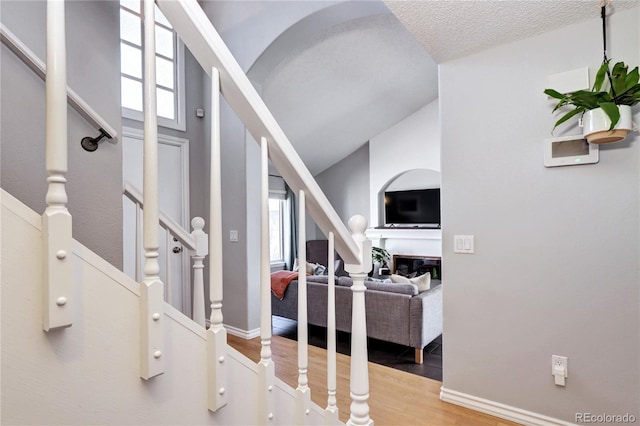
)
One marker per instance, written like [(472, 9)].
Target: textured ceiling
[(450, 29), (348, 71)]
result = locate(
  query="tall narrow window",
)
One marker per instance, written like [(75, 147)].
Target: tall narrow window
[(169, 66), (276, 230)]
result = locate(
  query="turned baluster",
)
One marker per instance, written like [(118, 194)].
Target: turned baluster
[(151, 290), (56, 219), (200, 239), (217, 334), (359, 362)]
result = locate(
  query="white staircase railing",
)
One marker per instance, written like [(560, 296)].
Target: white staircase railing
[(266, 367), (216, 334), (196, 242), (331, 412), (196, 31), (152, 288), (56, 220)]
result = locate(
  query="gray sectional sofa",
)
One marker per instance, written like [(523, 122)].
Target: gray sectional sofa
[(395, 312)]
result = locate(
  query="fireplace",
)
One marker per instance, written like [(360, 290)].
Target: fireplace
[(416, 265)]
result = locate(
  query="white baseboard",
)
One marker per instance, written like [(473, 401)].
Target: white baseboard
[(242, 333), (497, 409)]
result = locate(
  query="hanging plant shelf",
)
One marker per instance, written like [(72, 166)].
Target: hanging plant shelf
[(606, 108)]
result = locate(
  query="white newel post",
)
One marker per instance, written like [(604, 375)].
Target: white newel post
[(201, 240), (266, 367), (331, 412), (359, 361), (56, 220), (217, 334), (151, 289), (303, 391)]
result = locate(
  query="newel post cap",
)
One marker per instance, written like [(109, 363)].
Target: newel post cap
[(358, 224)]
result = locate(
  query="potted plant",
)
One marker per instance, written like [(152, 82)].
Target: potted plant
[(607, 113), (381, 257)]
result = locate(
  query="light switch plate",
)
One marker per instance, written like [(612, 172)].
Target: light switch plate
[(463, 244), (233, 235)]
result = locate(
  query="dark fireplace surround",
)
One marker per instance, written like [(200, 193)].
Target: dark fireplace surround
[(410, 265)]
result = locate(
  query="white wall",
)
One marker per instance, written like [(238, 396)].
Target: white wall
[(406, 152), (94, 180), (556, 267), (89, 373), (346, 185), (414, 143)]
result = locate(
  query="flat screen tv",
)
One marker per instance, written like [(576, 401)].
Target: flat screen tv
[(420, 207)]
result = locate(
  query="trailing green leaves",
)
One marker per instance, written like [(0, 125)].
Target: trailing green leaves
[(602, 72), (624, 89), (568, 115), (612, 111)]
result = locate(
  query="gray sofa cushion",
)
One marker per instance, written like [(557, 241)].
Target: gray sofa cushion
[(409, 289)]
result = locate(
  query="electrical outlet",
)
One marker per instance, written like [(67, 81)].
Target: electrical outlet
[(559, 361), (233, 235), (559, 368)]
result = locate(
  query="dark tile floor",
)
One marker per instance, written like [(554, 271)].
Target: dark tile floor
[(385, 353)]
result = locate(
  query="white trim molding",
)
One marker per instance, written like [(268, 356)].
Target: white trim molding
[(404, 233), (248, 335), (497, 409), (183, 145), (185, 220)]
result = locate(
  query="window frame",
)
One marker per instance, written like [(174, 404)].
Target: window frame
[(279, 263), (179, 122)]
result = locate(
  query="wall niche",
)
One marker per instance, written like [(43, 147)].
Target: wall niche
[(405, 181)]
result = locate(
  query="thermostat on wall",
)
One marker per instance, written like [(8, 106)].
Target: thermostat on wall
[(569, 151)]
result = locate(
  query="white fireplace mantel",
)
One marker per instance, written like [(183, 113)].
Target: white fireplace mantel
[(404, 233), (422, 241)]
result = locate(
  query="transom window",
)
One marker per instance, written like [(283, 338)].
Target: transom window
[(169, 66)]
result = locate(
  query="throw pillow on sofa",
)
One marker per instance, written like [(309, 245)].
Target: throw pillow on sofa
[(423, 281), (312, 268)]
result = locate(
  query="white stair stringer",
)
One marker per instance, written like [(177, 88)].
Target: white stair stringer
[(88, 373)]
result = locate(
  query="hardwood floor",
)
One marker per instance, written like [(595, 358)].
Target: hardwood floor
[(395, 397)]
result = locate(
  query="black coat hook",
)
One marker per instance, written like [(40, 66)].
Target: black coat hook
[(91, 144)]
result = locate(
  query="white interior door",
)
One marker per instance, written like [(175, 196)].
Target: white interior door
[(173, 181)]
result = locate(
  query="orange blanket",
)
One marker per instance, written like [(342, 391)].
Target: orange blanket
[(280, 280)]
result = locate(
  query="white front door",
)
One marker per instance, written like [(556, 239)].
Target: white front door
[(173, 182)]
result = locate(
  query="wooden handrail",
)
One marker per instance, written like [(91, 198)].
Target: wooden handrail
[(196, 31), (39, 68)]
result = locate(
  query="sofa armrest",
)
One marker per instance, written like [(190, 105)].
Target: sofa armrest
[(425, 317)]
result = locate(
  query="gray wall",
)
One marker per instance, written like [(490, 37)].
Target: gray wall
[(346, 185), (239, 152), (194, 132), (94, 180), (235, 307), (556, 268)]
